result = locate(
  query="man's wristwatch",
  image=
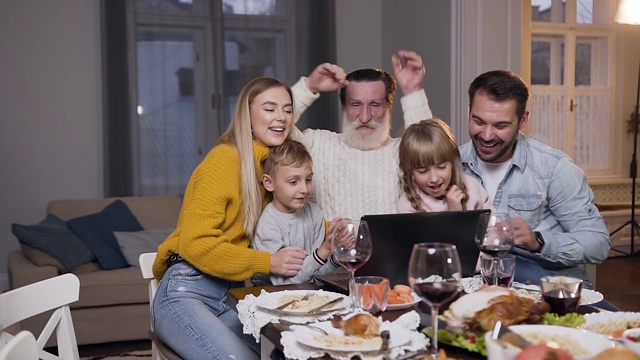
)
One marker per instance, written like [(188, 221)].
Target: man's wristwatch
[(540, 240)]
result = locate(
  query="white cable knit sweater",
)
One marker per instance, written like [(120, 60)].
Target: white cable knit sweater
[(349, 182)]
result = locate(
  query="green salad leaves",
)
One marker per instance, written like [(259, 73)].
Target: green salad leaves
[(475, 343)]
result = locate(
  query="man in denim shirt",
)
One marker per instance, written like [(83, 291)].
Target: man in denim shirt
[(558, 229)]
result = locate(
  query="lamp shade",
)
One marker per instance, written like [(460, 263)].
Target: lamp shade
[(628, 12)]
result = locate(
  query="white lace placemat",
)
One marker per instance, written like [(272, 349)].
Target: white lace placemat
[(253, 318), (411, 320), (471, 284)]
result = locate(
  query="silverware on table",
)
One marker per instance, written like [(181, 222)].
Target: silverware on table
[(284, 306), (310, 326), (502, 333), (319, 309)]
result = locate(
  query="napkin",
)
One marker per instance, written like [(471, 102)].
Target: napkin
[(253, 318), (411, 320)]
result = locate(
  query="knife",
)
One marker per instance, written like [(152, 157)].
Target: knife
[(503, 333), (283, 306), (318, 309)]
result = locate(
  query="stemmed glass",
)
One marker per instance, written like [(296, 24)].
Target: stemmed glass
[(434, 274), (494, 237), (351, 248)]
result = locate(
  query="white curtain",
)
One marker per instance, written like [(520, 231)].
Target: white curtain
[(550, 116)]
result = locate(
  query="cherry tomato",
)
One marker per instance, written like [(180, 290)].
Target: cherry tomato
[(470, 339)]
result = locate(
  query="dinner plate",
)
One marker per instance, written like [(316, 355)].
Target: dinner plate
[(416, 299), (269, 301), (337, 341), (582, 345), (587, 296), (606, 323)]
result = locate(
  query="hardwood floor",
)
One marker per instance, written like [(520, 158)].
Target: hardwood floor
[(618, 279), (113, 348)]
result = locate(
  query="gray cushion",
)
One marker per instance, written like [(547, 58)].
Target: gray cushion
[(132, 244), (53, 237)]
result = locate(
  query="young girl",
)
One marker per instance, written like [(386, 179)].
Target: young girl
[(430, 176), (209, 253)]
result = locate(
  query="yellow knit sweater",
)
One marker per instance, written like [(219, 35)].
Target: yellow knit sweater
[(210, 231)]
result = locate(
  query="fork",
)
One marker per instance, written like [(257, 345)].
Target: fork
[(284, 306), (312, 327)]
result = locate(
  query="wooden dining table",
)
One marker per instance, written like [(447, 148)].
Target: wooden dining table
[(271, 333)]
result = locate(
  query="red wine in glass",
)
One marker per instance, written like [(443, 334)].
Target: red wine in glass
[(562, 301), (351, 248), (434, 274), (495, 251), (353, 263), (437, 292), (504, 280)]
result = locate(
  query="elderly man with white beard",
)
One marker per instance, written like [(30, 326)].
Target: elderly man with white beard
[(356, 171)]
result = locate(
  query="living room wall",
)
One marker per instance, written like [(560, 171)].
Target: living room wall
[(50, 110)]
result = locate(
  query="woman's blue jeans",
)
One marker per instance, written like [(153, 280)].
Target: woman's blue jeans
[(191, 316)]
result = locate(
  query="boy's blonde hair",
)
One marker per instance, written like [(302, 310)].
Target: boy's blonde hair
[(290, 153), (424, 144), (239, 135)]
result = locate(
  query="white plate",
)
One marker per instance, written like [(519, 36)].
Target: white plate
[(591, 343), (269, 301), (416, 299), (607, 322), (398, 336), (587, 297)]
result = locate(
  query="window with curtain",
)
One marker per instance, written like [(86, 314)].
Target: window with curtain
[(174, 69), (571, 83)]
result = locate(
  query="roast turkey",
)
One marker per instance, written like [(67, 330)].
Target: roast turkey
[(361, 325)]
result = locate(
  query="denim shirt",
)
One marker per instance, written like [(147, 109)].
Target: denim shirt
[(545, 188)]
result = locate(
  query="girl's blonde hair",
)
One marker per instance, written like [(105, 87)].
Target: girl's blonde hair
[(239, 135), (424, 144)]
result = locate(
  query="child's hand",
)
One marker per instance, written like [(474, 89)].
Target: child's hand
[(329, 236), (454, 198)]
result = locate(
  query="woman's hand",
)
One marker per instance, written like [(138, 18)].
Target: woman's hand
[(327, 77), (288, 261)]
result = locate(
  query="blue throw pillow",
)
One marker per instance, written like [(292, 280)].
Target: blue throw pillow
[(53, 236), (96, 231)]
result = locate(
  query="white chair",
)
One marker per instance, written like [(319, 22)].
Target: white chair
[(56, 294), (159, 350), (21, 347)]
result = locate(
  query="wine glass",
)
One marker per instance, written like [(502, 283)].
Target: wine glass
[(434, 274), (494, 237), (351, 248)]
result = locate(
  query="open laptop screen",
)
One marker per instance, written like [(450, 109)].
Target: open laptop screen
[(393, 237)]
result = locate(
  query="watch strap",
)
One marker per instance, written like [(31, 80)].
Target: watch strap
[(540, 240)]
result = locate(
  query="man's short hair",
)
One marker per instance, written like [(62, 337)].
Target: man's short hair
[(371, 75), (289, 153), (501, 85)]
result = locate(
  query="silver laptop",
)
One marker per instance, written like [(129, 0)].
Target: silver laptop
[(393, 237)]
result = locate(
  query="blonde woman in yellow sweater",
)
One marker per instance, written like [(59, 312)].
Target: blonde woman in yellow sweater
[(209, 253)]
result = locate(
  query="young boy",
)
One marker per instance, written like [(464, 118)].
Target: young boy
[(291, 220)]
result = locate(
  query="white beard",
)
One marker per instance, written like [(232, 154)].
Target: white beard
[(381, 134)]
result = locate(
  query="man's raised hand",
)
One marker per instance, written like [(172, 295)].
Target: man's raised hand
[(327, 77), (410, 74)]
